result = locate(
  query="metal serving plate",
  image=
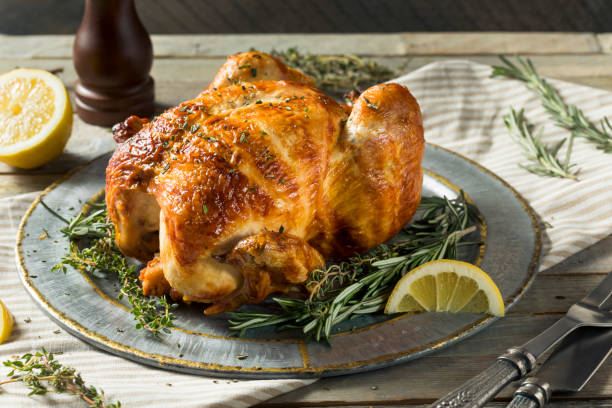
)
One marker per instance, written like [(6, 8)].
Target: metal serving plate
[(87, 306)]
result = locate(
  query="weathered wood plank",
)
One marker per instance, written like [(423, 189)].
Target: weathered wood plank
[(60, 46), (595, 259), (420, 382), (556, 293), (605, 42), (556, 403), (12, 184), (591, 71)]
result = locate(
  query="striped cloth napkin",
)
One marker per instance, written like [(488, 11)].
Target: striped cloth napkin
[(463, 111)]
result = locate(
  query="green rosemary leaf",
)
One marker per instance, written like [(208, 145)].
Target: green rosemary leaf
[(543, 158), (336, 74), (362, 284), (567, 116)]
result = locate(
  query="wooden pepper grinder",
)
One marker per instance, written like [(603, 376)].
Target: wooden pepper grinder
[(113, 56)]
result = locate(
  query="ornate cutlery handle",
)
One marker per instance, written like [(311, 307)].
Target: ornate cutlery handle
[(531, 394), (475, 393)]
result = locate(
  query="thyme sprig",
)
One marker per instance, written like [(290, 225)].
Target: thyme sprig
[(93, 250), (42, 373), (362, 284), (567, 116), (336, 73), (543, 158)]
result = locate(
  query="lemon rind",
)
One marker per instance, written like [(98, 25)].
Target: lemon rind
[(61, 100), (481, 278)]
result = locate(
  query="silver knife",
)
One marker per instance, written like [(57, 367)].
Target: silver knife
[(593, 310), (568, 369)]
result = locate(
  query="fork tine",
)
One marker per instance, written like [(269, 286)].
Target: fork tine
[(601, 296)]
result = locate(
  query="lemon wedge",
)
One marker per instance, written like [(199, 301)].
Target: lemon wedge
[(35, 117), (446, 286), (6, 323)]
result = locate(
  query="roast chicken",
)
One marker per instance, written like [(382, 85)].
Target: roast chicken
[(260, 179)]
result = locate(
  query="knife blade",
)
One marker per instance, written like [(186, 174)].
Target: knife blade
[(592, 310), (568, 369)]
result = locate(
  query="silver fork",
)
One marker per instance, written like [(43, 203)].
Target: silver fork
[(593, 310)]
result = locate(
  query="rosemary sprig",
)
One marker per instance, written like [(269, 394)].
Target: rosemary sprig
[(93, 249), (42, 374), (569, 117), (336, 73), (362, 284), (543, 158)]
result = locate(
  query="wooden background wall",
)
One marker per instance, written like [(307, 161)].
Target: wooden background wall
[(293, 16)]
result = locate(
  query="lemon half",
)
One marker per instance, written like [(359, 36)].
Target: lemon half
[(6, 323), (35, 117), (446, 286)]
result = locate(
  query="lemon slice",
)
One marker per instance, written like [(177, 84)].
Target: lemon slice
[(446, 286), (6, 323), (35, 117)]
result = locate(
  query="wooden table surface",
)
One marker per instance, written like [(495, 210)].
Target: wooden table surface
[(185, 64)]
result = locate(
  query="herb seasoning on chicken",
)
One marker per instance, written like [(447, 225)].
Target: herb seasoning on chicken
[(340, 180)]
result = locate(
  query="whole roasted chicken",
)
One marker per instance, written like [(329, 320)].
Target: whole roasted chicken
[(259, 180)]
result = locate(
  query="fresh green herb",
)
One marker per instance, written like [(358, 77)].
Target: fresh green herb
[(212, 139), (42, 373), (245, 66), (543, 158), (270, 176), (569, 117), (205, 209), (370, 104), (336, 73), (253, 72), (184, 109), (362, 284), (281, 229), (93, 250), (243, 136), (166, 168), (194, 128)]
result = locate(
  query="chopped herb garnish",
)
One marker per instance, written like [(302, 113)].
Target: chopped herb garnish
[(184, 109), (370, 104), (253, 72), (282, 181), (270, 176), (194, 128), (288, 108), (281, 229), (245, 66), (205, 209), (166, 168), (212, 139), (243, 136)]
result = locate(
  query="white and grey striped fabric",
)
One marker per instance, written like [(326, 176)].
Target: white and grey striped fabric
[(462, 109)]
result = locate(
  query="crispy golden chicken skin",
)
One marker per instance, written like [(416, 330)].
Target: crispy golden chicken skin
[(197, 191)]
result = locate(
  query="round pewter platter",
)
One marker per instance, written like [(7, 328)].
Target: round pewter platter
[(87, 306)]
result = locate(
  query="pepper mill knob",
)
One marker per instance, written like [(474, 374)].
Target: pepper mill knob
[(112, 55)]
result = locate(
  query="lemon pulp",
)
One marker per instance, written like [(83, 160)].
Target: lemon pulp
[(446, 286), (35, 117)]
